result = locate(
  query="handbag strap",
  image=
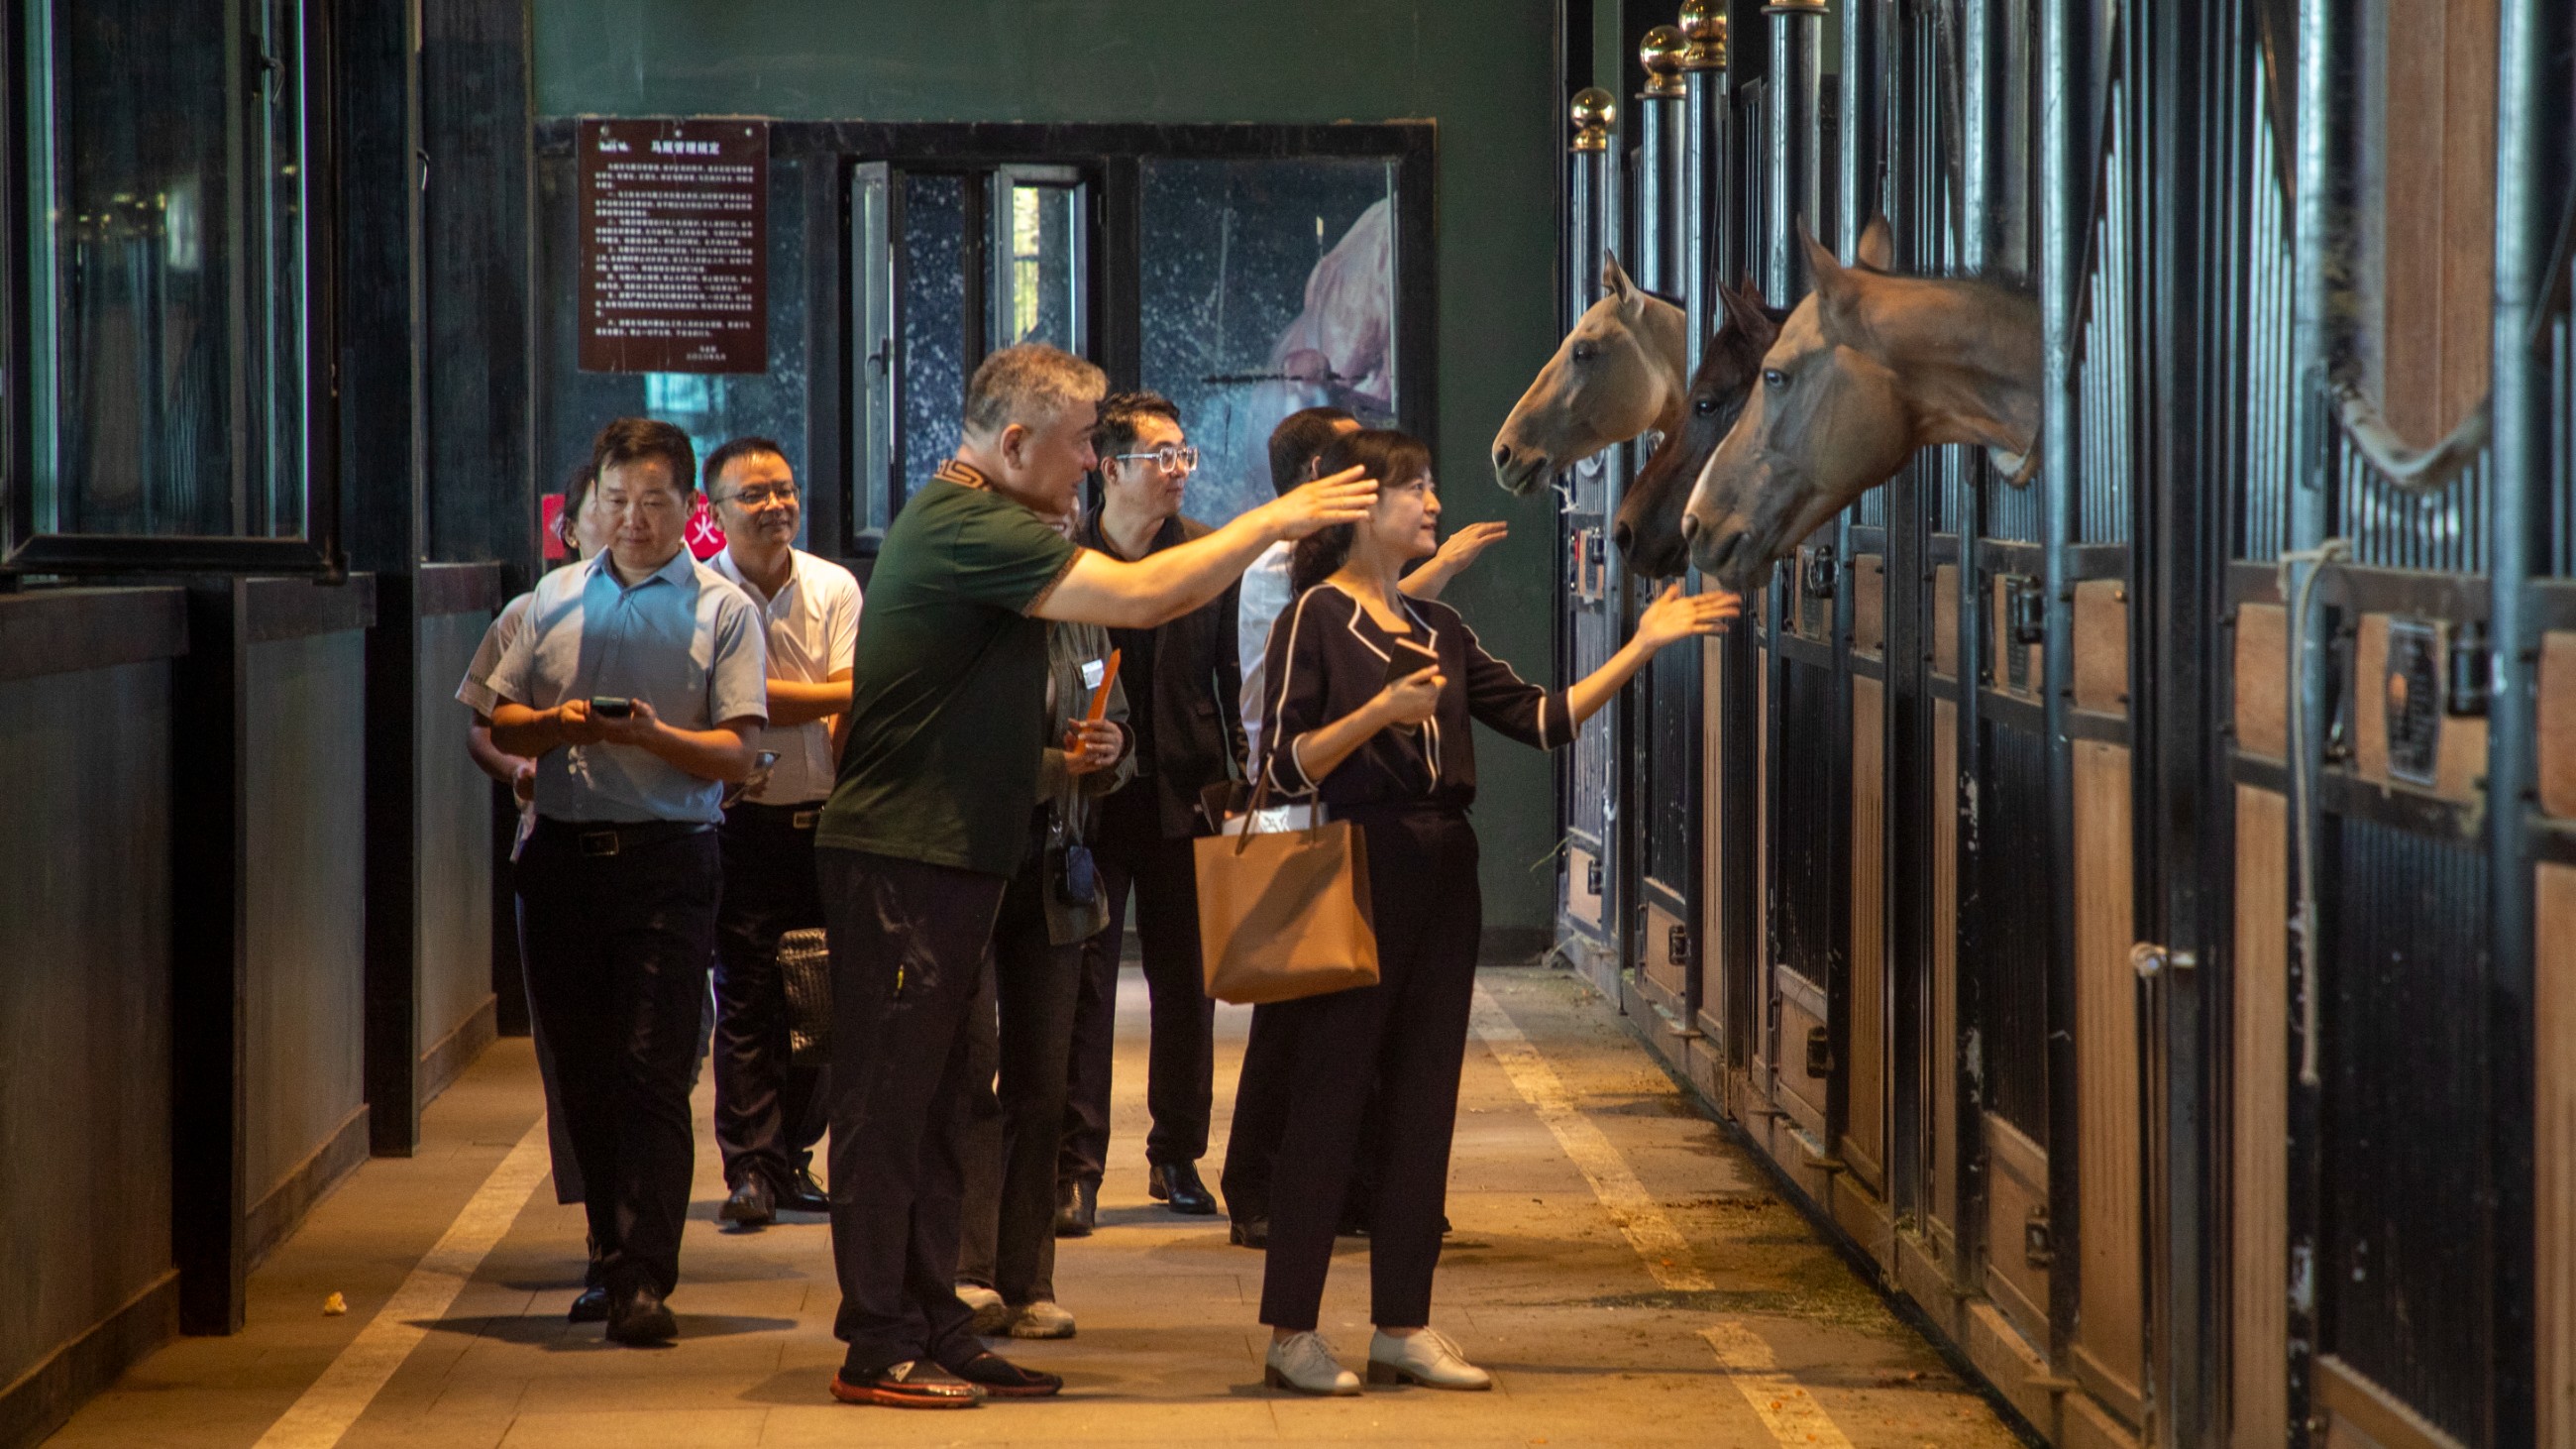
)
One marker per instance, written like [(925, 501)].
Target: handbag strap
[(1261, 793)]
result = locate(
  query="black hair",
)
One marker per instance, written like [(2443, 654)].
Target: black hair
[(747, 446), (576, 492), (636, 440), (1298, 438), (1119, 413), (1392, 458)]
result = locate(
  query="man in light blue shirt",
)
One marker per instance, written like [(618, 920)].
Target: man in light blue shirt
[(637, 683)]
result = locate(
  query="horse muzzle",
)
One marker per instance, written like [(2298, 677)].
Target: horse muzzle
[(1519, 470)]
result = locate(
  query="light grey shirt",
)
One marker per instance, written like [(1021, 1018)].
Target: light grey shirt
[(683, 640), (475, 690), (813, 629), (1263, 594)]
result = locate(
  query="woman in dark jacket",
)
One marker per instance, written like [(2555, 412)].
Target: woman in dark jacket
[(1390, 748)]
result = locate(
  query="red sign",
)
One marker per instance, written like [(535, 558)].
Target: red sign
[(674, 246), (550, 526), (705, 539)]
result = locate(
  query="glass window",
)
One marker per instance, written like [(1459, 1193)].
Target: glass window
[(1268, 286), (1040, 240), (168, 268)]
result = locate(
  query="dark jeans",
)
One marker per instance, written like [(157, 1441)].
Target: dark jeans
[(617, 948), (1011, 1139), (567, 1164), (1408, 1035), (768, 1110), (908, 943), (1179, 1086)]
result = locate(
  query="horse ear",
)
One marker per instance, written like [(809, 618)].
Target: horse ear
[(1744, 311), (1837, 295), (1877, 246), (1615, 283)]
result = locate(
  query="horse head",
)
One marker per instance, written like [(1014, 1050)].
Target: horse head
[(1869, 367), (1649, 530), (1616, 375)]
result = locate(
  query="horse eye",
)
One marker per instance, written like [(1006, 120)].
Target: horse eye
[(1704, 406), (1774, 377), (1585, 352)]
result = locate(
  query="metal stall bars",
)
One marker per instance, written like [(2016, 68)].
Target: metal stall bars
[(1724, 824), (1666, 696), (1587, 923)]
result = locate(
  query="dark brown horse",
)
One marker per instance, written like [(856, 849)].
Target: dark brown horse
[(1868, 368), (1649, 528)]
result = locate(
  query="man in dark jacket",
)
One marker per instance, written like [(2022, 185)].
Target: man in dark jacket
[(1182, 680)]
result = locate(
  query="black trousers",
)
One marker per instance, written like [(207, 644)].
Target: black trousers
[(1261, 1119), (1180, 1070), (567, 1165), (1407, 1034), (768, 1110), (908, 944), (1011, 1138), (616, 960)]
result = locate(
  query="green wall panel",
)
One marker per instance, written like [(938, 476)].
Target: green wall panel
[(1480, 68)]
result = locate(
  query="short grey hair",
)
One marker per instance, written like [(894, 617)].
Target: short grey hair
[(1029, 384)]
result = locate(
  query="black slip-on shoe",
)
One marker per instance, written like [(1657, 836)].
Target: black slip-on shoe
[(590, 1307), (1078, 1210), (917, 1384), (640, 1318), (1177, 1185), (751, 1205), (1004, 1379)]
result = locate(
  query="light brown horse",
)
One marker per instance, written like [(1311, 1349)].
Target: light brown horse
[(1869, 368), (1649, 528), (1618, 374)]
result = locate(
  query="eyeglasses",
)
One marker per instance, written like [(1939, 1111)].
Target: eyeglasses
[(1171, 457), (763, 497)]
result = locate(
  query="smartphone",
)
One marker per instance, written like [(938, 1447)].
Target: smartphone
[(612, 706), (1407, 659)]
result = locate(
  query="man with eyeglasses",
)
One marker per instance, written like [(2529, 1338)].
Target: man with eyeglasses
[(636, 684), (769, 1112), (1182, 681)]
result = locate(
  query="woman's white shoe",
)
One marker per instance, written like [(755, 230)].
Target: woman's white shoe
[(1305, 1362), (1425, 1357)]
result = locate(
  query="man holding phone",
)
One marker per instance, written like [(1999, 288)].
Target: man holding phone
[(769, 1112), (636, 684)]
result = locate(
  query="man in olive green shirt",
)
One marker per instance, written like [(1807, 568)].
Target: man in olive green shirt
[(930, 817)]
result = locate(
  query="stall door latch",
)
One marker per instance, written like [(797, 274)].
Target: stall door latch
[(2038, 1242), (1677, 945), (2149, 960), (1820, 1053)]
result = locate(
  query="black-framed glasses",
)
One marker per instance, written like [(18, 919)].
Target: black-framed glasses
[(1171, 457)]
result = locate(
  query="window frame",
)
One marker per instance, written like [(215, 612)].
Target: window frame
[(27, 549), (1110, 158)]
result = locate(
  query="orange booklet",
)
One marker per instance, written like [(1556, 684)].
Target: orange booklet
[(1099, 704)]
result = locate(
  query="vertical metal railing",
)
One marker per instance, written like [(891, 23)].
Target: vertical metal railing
[(1593, 810), (1795, 179)]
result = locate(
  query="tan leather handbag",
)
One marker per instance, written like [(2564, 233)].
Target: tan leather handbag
[(1285, 914)]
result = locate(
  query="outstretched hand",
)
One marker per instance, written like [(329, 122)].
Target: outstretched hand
[(1345, 497), (1675, 616), (1461, 548)]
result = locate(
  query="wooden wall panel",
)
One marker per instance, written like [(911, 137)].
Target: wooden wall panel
[(2102, 646), (304, 964), (2106, 1054), (1714, 906), (2262, 680), (1865, 1097), (1800, 1095), (453, 922), (2554, 1151), (1942, 1059), (1945, 620), (1869, 605), (2558, 724), (2259, 1136), (1765, 1049), (2462, 760), (1655, 955), (84, 1031), (2016, 1186)]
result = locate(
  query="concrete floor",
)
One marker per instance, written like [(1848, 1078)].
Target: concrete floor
[(1626, 1273)]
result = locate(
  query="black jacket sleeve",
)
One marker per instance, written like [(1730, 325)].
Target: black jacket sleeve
[(1511, 705), (1294, 677)]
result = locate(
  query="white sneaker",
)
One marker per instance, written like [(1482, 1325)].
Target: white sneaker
[(1042, 1319), (1305, 1362), (1425, 1357), (987, 1306)]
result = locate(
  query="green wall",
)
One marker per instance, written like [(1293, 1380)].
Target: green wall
[(1480, 68)]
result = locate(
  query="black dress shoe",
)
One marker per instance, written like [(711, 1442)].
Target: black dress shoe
[(590, 1307), (803, 1194), (1004, 1379), (1078, 1210), (751, 1205), (1177, 1184), (640, 1318)]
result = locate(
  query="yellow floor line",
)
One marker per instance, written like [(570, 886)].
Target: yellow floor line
[(1788, 1411), (353, 1380)]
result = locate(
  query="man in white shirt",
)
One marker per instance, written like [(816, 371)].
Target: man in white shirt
[(770, 1113)]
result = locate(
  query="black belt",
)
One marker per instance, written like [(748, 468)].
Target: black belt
[(605, 838), (794, 817)]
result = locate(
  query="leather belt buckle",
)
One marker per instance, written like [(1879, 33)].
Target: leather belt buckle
[(804, 819), (598, 842)]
